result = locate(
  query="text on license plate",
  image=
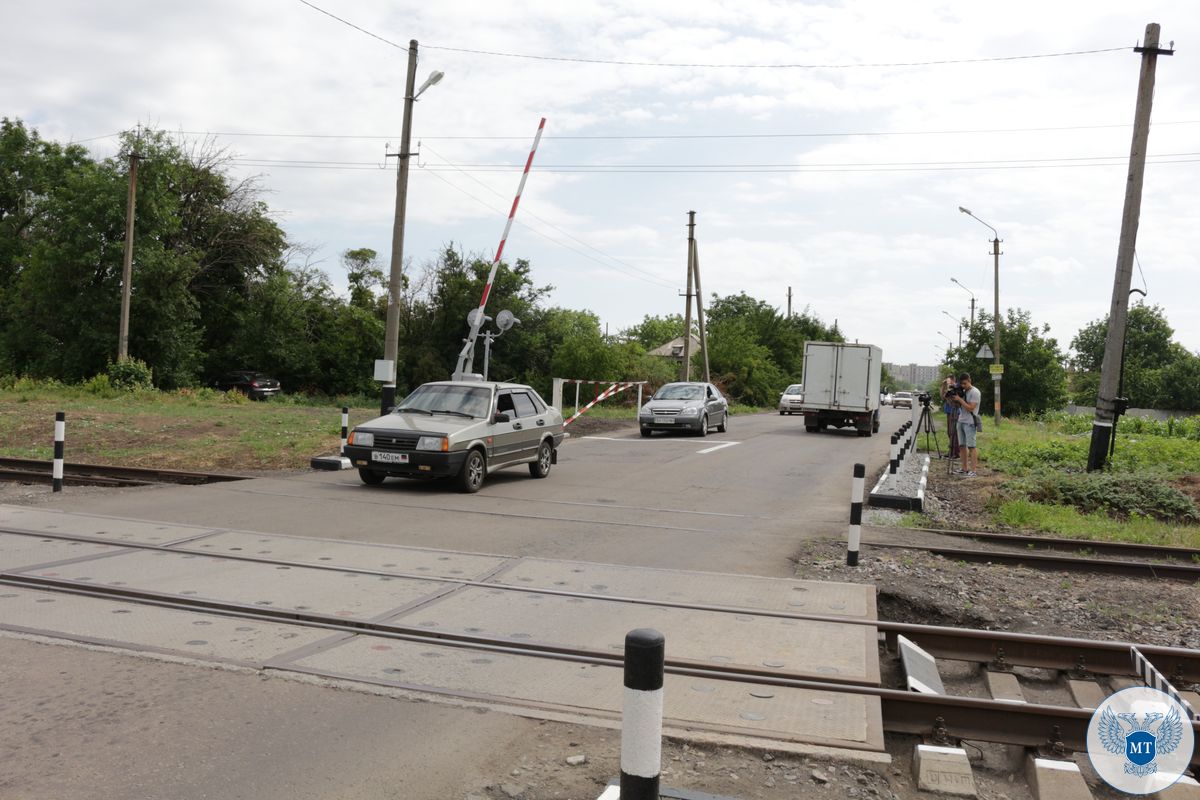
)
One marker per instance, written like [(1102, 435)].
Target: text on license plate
[(390, 458), (664, 420)]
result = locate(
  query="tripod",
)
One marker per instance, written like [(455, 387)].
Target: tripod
[(925, 423)]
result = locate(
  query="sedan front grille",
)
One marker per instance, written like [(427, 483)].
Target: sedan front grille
[(397, 441), (665, 412)]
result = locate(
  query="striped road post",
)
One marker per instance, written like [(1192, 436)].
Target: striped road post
[(856, 501), (345, 428), (894, 457), (60, 433), (641, 718)]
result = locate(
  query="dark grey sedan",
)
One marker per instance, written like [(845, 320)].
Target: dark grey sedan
[(693, 407)]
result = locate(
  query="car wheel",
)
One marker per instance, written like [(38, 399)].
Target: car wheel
[(646, 432), (545, 459), (370, 477), (724, 426), (810, 428), (781, 413), (474, 470), (703, 426)]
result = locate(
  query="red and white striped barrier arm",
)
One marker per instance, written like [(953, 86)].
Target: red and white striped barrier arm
[(468, 352), (607, 393)]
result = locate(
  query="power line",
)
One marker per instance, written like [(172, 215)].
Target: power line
[(551, 224), (549, 238), (575, 60)]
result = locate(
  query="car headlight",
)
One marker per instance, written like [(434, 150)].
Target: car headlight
[(438, 443), (361, 439), (689, 412)]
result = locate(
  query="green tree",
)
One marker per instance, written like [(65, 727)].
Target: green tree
[(364, 275), (654, 332), (1035, 379)]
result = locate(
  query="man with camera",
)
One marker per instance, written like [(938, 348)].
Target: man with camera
[(950, 409), (967, 398)]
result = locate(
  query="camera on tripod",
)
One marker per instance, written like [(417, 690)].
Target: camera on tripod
[(923, 398), (956, 391)]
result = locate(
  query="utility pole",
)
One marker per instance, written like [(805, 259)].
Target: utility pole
[(127, 268), (789, 316), (391, 336), (685, 370), (1106, 405), (700, 310), (996, 324)]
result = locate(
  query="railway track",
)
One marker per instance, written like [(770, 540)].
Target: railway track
[(1078, 546), (25, 470), (1049, 728)]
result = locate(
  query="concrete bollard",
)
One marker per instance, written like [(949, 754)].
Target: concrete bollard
[(856, 501), (60, 433), (641, 718), (345, 428)]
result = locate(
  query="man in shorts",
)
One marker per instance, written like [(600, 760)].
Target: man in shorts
[(968, 418)]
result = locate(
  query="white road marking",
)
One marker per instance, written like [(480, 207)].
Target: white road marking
[(718, 447)]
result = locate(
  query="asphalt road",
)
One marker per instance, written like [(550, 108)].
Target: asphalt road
[(79, 723)]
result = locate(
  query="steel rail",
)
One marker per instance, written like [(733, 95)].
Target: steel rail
[(960, 644), (148, 474), (1135, 549), (1055, 728), (31, 476), (1140, 569)]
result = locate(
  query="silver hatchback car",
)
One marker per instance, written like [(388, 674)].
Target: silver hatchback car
[(691, 407), (459, 429)]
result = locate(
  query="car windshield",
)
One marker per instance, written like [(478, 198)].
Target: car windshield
[(473, 401), (795, 388), (679, 391)]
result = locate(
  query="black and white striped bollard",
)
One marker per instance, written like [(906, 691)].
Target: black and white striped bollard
[(856, 501), (60, 433), (894, 457), (641, 717), (345, 428)]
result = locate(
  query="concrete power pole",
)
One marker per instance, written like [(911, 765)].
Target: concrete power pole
[(127, 268), (1106, 412), (685, 370), (789, 316), (700, 310), (391, 335)]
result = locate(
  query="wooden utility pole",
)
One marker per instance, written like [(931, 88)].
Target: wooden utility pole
[(1106, 401), (700, 310), (127, 268), (685, 370)]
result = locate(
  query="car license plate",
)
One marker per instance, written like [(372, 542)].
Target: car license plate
[(664, 420), (389, 458)]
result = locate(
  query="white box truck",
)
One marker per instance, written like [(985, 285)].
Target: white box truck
[(841, 386)]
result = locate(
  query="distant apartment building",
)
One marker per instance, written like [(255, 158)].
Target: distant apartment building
[(913, 373)]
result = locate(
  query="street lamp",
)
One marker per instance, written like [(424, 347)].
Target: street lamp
[(392, 329), (968, 291), (957, 322), (996, 372)]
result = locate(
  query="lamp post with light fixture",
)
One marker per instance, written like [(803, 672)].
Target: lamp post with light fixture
[(395, 279), (968, 291), (957, 322), (997, 372)]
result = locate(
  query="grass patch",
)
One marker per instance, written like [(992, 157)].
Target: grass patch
[(1050, 491)]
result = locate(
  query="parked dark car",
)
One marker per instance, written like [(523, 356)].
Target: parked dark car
[(255, 385)]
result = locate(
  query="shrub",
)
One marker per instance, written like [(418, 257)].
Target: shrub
[(1122, 495), (101, 386), (130, 374)]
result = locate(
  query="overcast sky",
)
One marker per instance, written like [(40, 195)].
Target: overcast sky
[(840, 178)]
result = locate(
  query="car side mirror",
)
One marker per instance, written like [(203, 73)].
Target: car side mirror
[(501, 416)]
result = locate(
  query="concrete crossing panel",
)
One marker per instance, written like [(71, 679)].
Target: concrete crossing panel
[(780, 714), (350, 555), (682, 586), (107, 528), (799, 648), (349, 595), (133, 626), (20, 552)]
